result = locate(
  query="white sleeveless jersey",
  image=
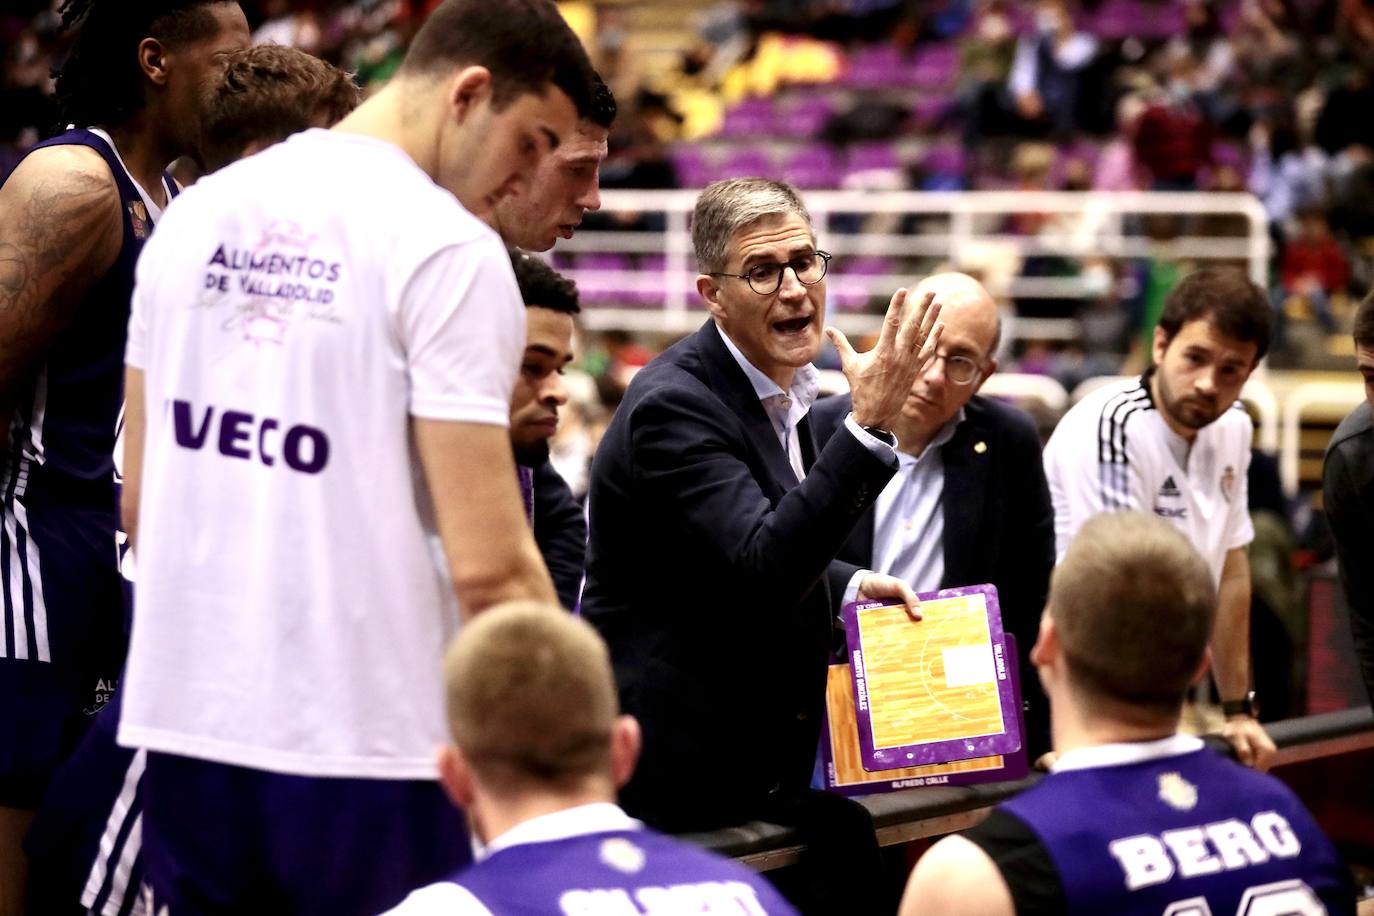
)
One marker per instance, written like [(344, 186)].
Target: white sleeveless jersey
[(1114, 451), (293, 313)]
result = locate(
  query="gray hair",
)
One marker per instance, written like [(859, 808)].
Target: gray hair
[(728, 206)]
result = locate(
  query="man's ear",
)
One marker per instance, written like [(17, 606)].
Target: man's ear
[(992, 367), (626, 742), (467, 89), (1161, 343), (152, 60), (1046, 648), (709, 291), (455, 776)]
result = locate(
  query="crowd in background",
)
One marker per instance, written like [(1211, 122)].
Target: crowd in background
[(1269, 96)]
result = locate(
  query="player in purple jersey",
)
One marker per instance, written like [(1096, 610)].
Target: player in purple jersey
[(74, 215), (539, 751), (1134, 817), (85, 844)]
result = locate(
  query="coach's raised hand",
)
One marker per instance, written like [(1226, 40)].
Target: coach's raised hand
[(881, 378)]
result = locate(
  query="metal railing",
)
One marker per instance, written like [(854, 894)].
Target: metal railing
[(961, 228)]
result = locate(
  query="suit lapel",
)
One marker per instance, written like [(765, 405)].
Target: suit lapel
[(967, 458), (732, 386)]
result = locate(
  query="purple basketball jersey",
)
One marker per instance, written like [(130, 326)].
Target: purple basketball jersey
[(1187, 834), (622, 871)]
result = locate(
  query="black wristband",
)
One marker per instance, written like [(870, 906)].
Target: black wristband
[(882, 434), (1246, 705)]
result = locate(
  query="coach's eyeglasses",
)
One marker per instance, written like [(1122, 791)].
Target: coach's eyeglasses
[(961, 370), (766, 279)]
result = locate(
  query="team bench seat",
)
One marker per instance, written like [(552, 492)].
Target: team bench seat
[(913, 814)]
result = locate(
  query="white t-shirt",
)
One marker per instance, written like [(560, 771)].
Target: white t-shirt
[(291, 315), (1114, 451)]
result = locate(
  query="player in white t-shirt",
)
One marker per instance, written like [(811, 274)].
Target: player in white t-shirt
[(1176, 442), (320, 363)]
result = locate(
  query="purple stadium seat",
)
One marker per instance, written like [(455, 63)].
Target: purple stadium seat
[(814, 167), (935, 66), (877, 65), (594, 286), (930, 109), (747, 162), (805, 118), (750, 118), (693, 168), (865, 157), (1118, 19), (848, 288), (945, 160)]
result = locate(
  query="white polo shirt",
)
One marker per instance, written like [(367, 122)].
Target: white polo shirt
[(292, 314), (1113, 451)]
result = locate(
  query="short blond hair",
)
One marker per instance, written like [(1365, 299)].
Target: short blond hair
[(1133, 603), (531, 697)]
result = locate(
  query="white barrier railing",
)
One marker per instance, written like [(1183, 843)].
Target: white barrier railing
[(1342, 396), (1094, 224)]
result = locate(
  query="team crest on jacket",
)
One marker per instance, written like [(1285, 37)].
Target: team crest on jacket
[(1177, 792), (622, 855), (138, 219)]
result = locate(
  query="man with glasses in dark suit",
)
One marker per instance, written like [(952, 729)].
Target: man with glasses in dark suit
[(716, 520)]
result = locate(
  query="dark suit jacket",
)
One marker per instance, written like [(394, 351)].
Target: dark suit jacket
[(560, 530), (999, 525), (1348, 489), (711, 573)]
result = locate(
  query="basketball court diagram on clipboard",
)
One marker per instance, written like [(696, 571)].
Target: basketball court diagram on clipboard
[(936, 690)]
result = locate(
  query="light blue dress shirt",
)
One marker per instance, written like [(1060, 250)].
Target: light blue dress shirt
[(909, 518)]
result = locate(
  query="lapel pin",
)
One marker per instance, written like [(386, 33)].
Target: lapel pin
[(980, 447)]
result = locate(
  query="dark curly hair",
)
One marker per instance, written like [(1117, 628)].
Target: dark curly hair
[(100, 81), (542, 286)]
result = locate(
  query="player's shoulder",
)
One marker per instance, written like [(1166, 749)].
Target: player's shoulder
[(1236, 426), (56, 176), (444, 898), (1116, 401)]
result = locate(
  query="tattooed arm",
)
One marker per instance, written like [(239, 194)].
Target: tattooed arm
[(60, 231)]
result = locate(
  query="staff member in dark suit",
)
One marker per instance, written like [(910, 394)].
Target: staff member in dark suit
[(715, 519), (969, 503)]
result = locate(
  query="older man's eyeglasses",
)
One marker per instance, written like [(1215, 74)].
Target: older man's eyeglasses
[(961, 370), (766, 279)]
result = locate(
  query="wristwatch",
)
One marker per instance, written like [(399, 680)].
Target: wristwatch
[(1246, 705), (882, 434)]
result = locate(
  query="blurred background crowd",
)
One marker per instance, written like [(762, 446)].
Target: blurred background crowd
[(1269, 97)]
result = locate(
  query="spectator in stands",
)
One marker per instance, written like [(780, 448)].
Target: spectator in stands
[(969, 503), (566, 186), (560, 529), (1117, 168), (1173, 139), (1313, 269), (1134, 816), (1170, 442), (1282, 175), (1045, 74), (715, 525), (1348, 497), (538, 753), (268, 93)]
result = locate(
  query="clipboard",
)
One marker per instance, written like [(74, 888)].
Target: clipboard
[(932, 691), (840, 748)]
